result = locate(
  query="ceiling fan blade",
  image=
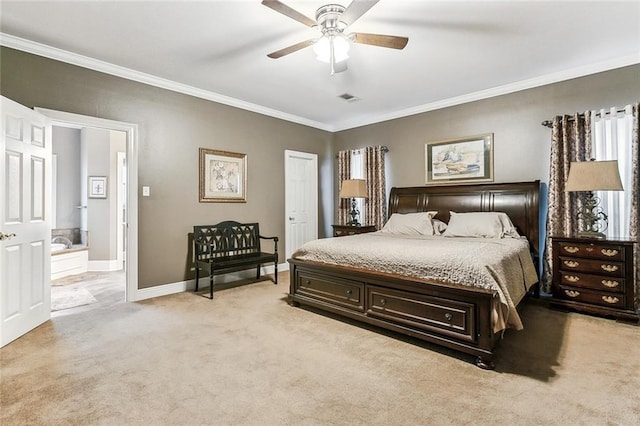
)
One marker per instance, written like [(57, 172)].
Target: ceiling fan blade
[(393, 42), (290, 49), (287, 11), (356, 9)]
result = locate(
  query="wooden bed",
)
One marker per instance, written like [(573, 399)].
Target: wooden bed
[(450, 315)]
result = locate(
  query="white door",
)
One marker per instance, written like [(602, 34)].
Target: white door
[(301, 199), (25, 191)]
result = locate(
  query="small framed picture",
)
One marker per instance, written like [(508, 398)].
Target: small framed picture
[(223, 176), (97, 187), (461, 160)]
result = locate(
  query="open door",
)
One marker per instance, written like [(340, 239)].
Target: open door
[(25, 229)]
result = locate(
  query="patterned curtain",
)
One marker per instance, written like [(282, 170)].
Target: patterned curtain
[(376, 204), (570, 141), (634, 223), (344, 173)]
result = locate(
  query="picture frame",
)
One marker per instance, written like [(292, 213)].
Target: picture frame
[(459, 161), (223, 176), (97, 187)]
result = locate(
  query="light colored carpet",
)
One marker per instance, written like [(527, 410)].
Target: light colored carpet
[(65, 298), (248, 358)]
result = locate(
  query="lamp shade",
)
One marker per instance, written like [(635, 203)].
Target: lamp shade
[(594, 176), (353, 188)]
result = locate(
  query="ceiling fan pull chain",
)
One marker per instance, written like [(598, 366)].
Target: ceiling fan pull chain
[(332, 56)]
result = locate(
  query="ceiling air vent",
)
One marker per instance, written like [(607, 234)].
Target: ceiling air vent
[(349, 98)]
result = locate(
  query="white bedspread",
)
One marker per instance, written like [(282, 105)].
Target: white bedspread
[(503, 265)]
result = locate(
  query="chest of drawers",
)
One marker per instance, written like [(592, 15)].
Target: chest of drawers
[(594, 276)]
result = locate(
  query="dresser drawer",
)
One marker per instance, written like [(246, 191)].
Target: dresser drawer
[(602, 267), (601, 298), (595, 282), (592, 251), (338, 291), (429, 313)]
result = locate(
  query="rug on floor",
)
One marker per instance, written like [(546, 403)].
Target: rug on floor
[(65, 298)]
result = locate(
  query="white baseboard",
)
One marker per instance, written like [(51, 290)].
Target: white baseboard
[(180, 286), (104, 265)]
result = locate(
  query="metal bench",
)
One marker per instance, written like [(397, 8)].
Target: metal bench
[(230, 247)]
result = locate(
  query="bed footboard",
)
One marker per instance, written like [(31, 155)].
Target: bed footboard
[(452, 316)]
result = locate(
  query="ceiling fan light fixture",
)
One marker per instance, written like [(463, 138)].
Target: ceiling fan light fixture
[(325, 44)]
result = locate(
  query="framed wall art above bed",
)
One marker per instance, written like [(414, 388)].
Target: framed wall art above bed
[(459, 161)]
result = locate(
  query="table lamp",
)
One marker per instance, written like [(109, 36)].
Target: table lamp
[(353, 188), (591, 176)]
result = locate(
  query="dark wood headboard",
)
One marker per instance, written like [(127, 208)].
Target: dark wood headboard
[(519, 200)]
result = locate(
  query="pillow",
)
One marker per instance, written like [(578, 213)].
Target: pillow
[(410, 224), (480, 224), (438, 227)]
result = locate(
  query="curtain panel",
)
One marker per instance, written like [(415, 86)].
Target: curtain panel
[(344, 173), (634, 220), (376, 203), (570, 141)]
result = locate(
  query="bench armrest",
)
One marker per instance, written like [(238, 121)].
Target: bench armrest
[(275, 241)]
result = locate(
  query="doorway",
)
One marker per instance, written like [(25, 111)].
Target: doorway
[(104, 276), (87, 268)]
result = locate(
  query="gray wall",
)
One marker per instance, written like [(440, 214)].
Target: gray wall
[(521, 144), (172, 127), (66, 146), (96, 149)]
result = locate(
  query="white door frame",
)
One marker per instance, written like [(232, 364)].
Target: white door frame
[(67, 119), (314, 191)]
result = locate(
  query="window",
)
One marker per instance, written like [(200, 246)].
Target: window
[(612, 132), (357, 172)]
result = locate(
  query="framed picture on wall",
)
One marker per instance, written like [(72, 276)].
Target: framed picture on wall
[(223, 176), (458, 161), (97, 187)]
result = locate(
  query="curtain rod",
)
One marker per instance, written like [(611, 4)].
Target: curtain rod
[(549, 123), (384, 149)]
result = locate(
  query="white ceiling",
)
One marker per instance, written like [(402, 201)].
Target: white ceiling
[(457, 51)]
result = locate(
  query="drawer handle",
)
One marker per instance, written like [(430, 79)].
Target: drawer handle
[(572, 278), (571, 249), (383, 302), (308, 282), (448, 316), (610, 299), (572, 293), (589, 249), (571, 263), (609, 268), (349, 292), (610, 283), (609, 252)]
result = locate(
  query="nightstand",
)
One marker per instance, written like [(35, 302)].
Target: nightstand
[(342, 230), (595, 276)]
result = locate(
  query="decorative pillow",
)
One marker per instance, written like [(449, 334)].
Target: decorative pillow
[(507, 225), (438, 227), (410, 224), (480, 224)]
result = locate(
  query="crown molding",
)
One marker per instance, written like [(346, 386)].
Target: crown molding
[(495, 91), (118, 71), (50, 52)]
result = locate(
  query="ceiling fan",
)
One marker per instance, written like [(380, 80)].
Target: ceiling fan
[(332, 20)]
